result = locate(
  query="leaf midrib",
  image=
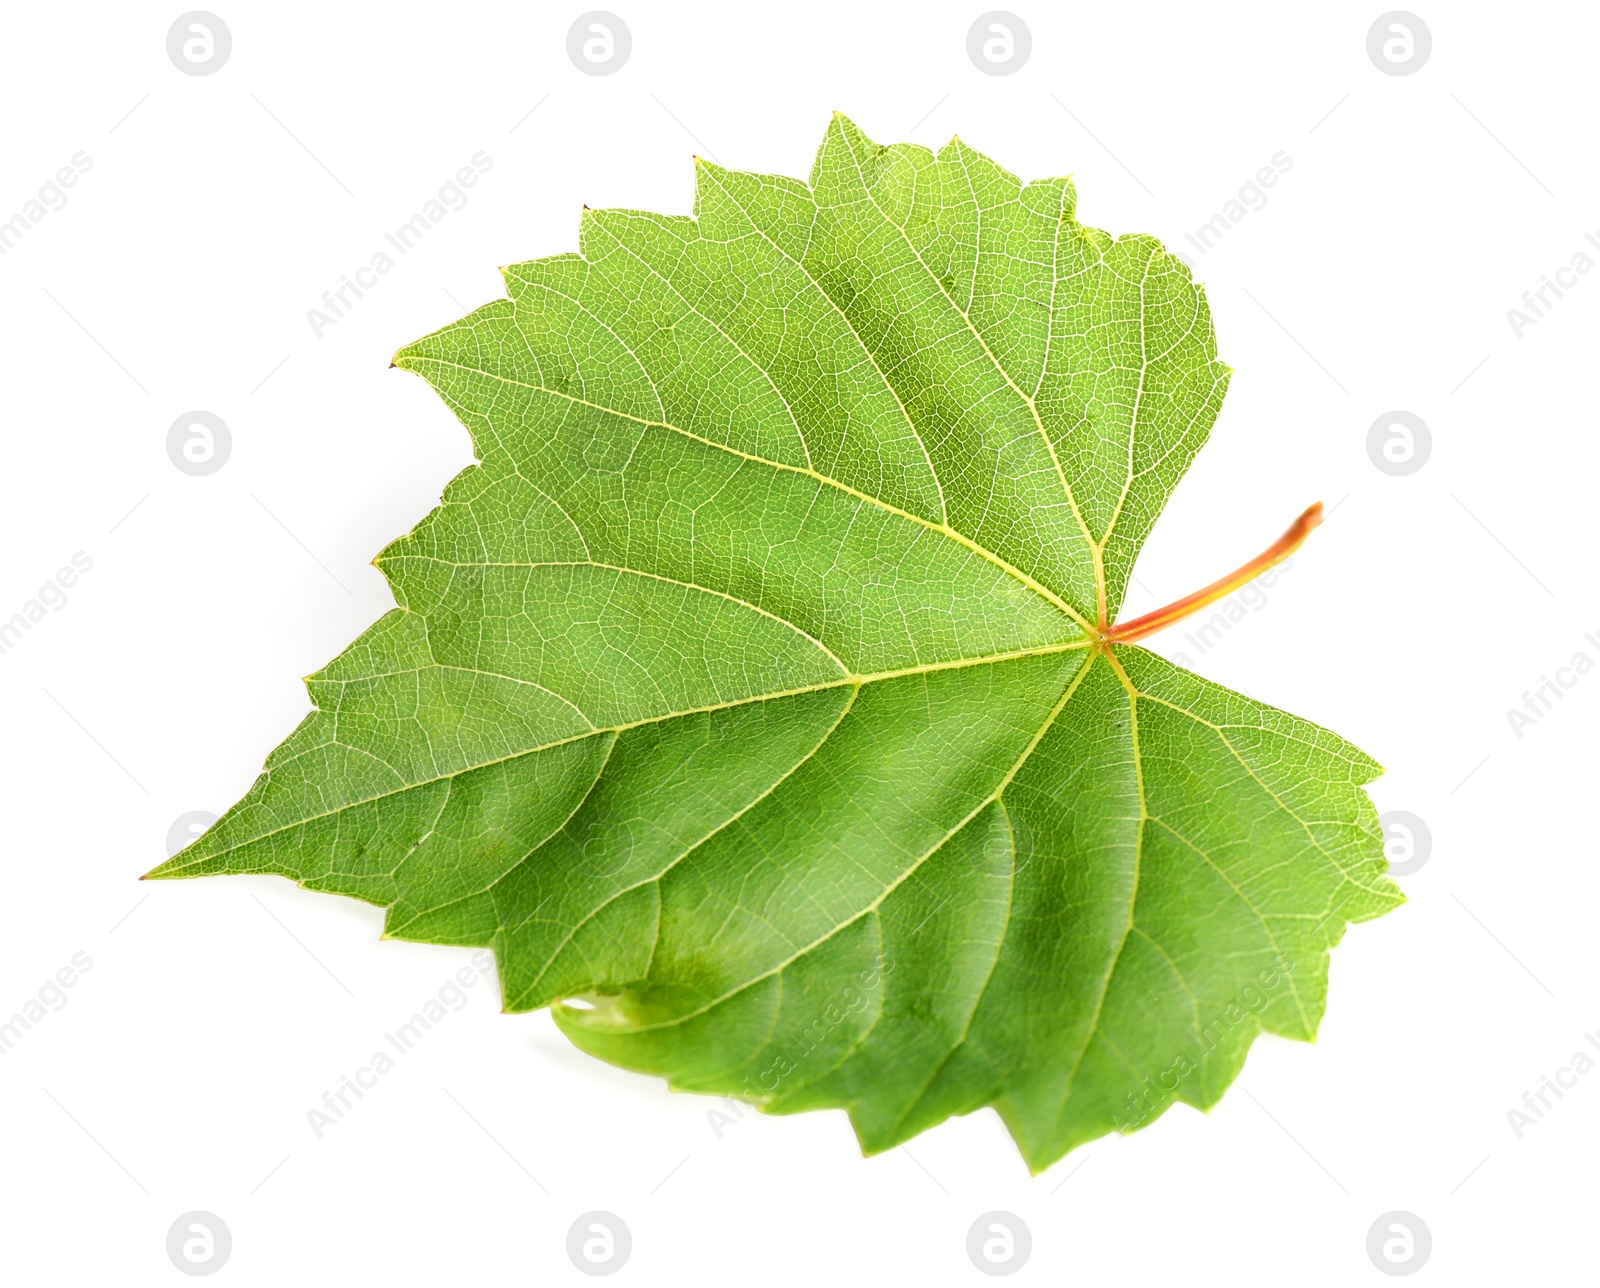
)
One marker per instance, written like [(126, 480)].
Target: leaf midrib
[(930, 668), (1033, 411), (911, 868), (411, 361), (833, 304), (676, 859)]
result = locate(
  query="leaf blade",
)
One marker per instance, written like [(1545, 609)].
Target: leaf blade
[(753, 683)]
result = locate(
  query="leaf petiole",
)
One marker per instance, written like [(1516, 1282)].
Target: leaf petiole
[(1276, 553)]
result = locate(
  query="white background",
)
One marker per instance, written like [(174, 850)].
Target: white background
[(217, 1012)]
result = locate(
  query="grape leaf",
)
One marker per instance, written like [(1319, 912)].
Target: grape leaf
[(753, 699)]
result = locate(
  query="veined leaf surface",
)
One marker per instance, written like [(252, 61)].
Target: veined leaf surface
[(756, 686)]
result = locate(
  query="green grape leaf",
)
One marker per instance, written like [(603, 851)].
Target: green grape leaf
[(753, 698)]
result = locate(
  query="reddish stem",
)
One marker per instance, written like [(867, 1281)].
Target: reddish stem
[(1276, 553)]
